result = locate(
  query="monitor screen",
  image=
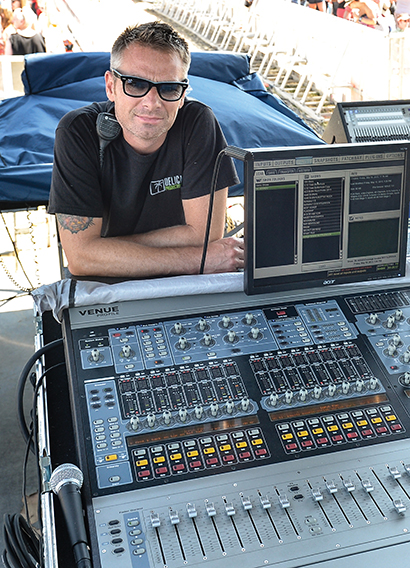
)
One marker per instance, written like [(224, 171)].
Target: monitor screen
[(325, 215)]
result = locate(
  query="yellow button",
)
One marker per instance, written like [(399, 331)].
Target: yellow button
[(302, 433), (209, 450), (257, 442), (241, 445), (176, 456), (192, 454), (225, 448), (318, 431), (287, 436), (159, 459), (362, 423), (347, 425), (141, 463), (333, 428), (391, 417), (376, 420), (111, 458)]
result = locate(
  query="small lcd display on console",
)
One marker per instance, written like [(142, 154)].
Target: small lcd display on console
[(325, 215)]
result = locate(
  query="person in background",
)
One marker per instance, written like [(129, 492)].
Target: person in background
[(6, 28), (25, 39), (139, 209)]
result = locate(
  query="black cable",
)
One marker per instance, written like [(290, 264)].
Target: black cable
[(210, 207), (21, 385), (23, 547)]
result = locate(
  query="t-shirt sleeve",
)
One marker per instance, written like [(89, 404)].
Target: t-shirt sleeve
[(203, 140), (76, 178)]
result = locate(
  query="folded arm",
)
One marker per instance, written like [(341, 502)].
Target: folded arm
[(164, 252)]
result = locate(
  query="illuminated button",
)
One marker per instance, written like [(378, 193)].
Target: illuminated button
[(257, 442), (352, 435), (347, 425), (175, 457), (192, 454), (333, 428), (241, 445), (367, 432), (159, 459), (302, 433), (376, 420), (225, 448), (142, 463), (317, 431), (111, 457), (391, 417), (287, 436), (362, 423), (209, 450)]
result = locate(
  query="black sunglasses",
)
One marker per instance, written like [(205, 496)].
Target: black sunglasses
[(170, 91)]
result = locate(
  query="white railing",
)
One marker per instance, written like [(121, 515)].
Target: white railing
[(343, 60)]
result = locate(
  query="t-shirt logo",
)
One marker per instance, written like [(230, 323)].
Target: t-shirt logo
[(166, 184)]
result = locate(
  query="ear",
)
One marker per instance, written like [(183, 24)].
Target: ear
[(109, 85)]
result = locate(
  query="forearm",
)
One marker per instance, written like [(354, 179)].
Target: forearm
[(115, 257), (177, 236)]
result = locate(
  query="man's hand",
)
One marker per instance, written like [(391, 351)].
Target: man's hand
[(225, 255)]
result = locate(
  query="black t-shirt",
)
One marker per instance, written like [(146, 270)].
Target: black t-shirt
[(136, 193)]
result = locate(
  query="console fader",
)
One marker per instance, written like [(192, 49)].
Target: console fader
[(245, 429)]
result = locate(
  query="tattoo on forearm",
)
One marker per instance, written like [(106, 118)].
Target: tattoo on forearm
[(74, 223)]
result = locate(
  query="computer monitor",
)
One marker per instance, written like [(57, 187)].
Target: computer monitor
[(317, 216)]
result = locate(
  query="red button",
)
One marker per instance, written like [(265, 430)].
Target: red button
[(291, 446), (212, 461), (245, 455), (178, 467), (307, 444), (367, 433), (396, 427), (228, 458), (144, 473), (260, 452), (352, 435), (381, 430), (337, 438), (322, 441), (195, 464), (161, 470)]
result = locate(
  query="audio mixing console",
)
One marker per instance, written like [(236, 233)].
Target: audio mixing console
[(245, 429)]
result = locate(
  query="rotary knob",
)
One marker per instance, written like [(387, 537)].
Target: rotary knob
[(126, 351), (249, 318), (390, 322), (134, 422), (183, 414), (214, 408), (178, 329), (167, 416), (199, 412), (207, 339), (232, 337), (303, 394), (230, 406), (95, 355), (202, 325), (226, 321), (331, 389), (372, 319), (182, 343)]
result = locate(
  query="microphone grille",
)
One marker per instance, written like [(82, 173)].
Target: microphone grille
[(66, 473)]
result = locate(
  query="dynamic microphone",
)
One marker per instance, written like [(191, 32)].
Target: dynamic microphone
[(66, 482)]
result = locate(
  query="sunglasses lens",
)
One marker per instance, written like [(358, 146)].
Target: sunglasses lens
[(170, 91), (135, 87)]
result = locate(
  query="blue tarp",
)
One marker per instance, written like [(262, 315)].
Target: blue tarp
[(56, 83)]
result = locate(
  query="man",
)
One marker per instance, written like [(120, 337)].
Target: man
[(143, 211)]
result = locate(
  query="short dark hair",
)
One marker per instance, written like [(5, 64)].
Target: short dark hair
[(157, 35)]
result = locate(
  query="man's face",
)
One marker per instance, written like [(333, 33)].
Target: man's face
[(145, 121)]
